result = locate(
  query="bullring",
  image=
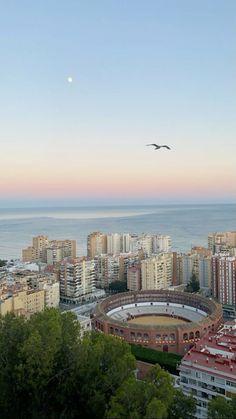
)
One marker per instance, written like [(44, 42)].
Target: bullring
[(165, 320)]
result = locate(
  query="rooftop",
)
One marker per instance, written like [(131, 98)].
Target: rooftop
[(215, 351)]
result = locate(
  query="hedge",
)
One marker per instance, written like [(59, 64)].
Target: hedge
[(167, 360)]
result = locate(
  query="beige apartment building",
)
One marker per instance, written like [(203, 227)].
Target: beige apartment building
[(49, 251), (20, 300), (157, 272), (49, 284), (221, 241), (96, 244)]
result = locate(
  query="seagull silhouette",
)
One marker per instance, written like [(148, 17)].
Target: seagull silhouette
[(159, 146)]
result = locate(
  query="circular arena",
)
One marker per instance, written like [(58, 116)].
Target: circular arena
[(165, 320)]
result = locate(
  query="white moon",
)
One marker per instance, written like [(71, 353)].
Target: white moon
[(69, 79)]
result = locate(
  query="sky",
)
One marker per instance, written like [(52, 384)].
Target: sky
[(153, 71)]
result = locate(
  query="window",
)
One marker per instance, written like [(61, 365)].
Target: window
[(231, 383)]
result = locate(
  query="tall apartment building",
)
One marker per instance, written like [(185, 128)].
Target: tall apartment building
[(157, 272), (77, 278), (114, 243), (218, 241), (161, 243), (126, 240), (68, 247), (197, 262), (208, 369), (224, 279), (96, 244), (134, 277), (49, 251), (145, 243), (35, 252), (154, 243), (110, 268)]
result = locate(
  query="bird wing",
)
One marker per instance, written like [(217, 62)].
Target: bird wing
[(155, 145), (166, 146)]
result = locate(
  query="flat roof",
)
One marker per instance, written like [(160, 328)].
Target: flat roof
[(215, 352)]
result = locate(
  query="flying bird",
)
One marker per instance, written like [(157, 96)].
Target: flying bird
[(159, 146)]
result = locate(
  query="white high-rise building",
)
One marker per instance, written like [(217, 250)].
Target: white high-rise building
[(114, 244), (125, 243), (77, 278), (145, 243), (161, 243)]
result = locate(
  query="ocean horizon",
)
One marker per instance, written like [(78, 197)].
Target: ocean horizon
[(188, 224)]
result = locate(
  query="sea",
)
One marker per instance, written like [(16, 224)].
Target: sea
[(188, 225)]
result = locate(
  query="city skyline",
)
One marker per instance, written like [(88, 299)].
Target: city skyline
[(158, 72)]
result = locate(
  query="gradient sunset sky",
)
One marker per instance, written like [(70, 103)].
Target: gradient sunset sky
[(148, 71)]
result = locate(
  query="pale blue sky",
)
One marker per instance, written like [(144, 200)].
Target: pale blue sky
[(143, 71)]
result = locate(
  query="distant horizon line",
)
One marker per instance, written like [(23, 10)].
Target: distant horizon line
[(99, 205)]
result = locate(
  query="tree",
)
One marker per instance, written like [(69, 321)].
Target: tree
[(156, 409), (220, 408), (48, 372), (149, 399), (182, 407), (193, 285), (118, 286), (163, 382), (3, 263), (138, 400)]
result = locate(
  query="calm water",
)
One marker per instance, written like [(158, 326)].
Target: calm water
[(188, 225)]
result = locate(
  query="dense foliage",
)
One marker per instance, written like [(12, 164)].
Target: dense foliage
[(47, 371), (221, 408), (3, 263), (193, 285), (167, 360), (153, 398), (118, 286)]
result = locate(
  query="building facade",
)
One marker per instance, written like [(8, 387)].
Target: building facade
[(77, 278), (224, 279), (21, 300), (49, 251), (157, 272), (96, 244), (219, 241), (134, 277), (209, 368)]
